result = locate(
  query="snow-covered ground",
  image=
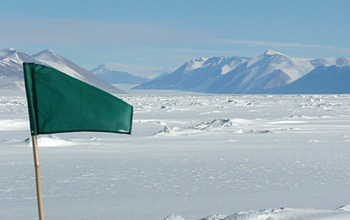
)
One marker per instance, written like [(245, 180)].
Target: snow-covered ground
[(190, 156)]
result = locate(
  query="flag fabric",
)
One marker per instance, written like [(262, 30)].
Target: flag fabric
[(60, 103)]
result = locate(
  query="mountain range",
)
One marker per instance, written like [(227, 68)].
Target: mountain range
[(117, 77), (269, 73), (11, 69)]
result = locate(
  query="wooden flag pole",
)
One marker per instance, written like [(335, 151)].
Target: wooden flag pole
[(37, 175)]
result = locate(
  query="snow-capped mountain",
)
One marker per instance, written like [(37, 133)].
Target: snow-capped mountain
[(240, 75), (270, 70), (196, 74), (11, 70), (117, 77), (322, 80)]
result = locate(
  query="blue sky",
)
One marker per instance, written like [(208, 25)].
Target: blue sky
[(148, 37)]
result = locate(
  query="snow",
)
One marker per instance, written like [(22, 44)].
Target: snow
[(331, 61), (190, 157), (11, 56), (271, 52), (100, 69), (11, 69), (50, 58), (5, 52), (302, 66), (293, 67), (239, 75), (51, 141), (280, 213), (195, 64), (227, 68), (13, 125), (254, 60), (344, 208)]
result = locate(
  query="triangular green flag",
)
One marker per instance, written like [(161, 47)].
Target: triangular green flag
[(59, 103)]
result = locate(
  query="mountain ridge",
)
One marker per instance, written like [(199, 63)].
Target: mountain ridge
[(11, 69), (116, 77), (261, 74), (323, 79)]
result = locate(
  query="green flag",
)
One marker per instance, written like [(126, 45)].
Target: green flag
[(59, 103)]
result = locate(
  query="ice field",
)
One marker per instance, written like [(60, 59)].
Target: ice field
[(190, 156)]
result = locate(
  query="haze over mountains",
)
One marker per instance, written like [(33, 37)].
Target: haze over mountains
[(11, 70), (117, 77), (269, 73)]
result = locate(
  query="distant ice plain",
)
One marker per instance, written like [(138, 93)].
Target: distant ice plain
[(193, 155)]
